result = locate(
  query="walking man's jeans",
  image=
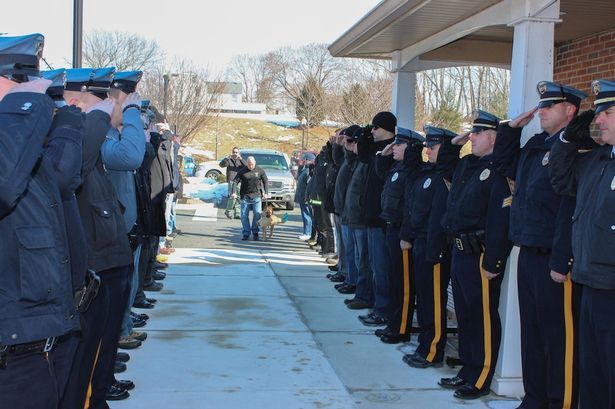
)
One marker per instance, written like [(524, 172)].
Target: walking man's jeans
[(306, 217), (255, 205)]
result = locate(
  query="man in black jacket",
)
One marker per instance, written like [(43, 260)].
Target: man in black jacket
[(232, 163), (375, 140), (37, 309), (253, 189)]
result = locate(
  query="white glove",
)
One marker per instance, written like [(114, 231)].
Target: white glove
[(132, 99)]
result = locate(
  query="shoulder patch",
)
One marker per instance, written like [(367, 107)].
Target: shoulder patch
[(394, 177), (484, 175), (427, 183)]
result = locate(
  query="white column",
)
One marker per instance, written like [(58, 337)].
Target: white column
[(403, 98), (532, 61)]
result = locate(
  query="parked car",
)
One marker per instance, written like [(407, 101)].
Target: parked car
[(210, 169), (189, 166), (281, 181)]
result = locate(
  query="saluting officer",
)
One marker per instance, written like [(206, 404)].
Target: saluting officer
[(422, 231), (406, 149), (477, 217), (540, 224), (40, 158), (591, 177)]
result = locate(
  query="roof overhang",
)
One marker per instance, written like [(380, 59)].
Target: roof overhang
[(421, 34)]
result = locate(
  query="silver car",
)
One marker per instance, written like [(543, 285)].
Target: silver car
[(281, 181)]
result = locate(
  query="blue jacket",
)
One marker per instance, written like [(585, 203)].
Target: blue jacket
[(121, 155), (36, 300)]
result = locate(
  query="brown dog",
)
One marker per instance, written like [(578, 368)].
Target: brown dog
[(268, 220)]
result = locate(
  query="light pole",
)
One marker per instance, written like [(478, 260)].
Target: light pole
[(165, 89), (303, 122), (77, 32)]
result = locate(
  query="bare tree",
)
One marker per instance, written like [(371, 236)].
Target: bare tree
[(191, 96), (125, 51)]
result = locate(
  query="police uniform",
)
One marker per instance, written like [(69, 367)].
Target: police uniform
[(540, 224), (426, 197), (591, 177), (37, 311), (401, 281), (477, 219)]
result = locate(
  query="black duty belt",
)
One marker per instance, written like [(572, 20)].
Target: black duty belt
[(34, 347), (539, 250), (394, 224), (471, 242)]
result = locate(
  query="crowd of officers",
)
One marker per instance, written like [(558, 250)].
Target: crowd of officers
[(409, 215), (86, 200)]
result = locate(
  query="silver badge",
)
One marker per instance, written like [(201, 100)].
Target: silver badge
[(394, 177), (596, 87), (542, 87), (427, 183), (484, 175), (613, 183), (545, 160)]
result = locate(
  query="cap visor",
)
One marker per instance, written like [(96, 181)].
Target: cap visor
[(432, 143), (604, 107)]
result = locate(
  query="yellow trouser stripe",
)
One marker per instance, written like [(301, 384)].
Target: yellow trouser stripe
[(437, 312), (89, 394), (569, 355), (406, 305), (486, 327)]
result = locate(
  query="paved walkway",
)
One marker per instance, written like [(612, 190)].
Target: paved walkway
[(256, 325)]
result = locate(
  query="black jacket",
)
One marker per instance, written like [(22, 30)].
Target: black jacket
[(479, 200), (354, 207), (98, 204), (253, 182), (36, 299), (539, 217), (342, 182), (232, 166), (591, 177), (366, 153), (317, 189), (161, 179)]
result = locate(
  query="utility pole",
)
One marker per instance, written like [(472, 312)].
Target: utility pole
[(77, 33)]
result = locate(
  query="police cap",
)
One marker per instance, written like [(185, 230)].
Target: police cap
[(483, 120), (20, 56), (605, 94), (407, 136), (126, 81), (435, 136), (94, 80), (552, 93), (58, 82)]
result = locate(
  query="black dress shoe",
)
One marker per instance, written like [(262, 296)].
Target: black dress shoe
[(115, 393), (372, 320), (122, 356), (469, 392), (160, 265), (142, 316), (338, 277), (144, 304), (452, 383), (349, 300), (244, 238), (153, 286), (394, 338), (357, 304), (119, 367), (138, 323), (417, 361), (124, 384), (151, 300), (383, 331), (347, 289), (255, 237), (339, 285), (333, 268), (159, 275)]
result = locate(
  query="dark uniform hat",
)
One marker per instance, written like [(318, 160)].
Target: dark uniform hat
[(435, 136), (94, 80), (58, 82), (552, 93), (385, 120), (354, 133), (408, 136), (20, 56), (605, 94), (348, 132), (126, 81), (483, 120)]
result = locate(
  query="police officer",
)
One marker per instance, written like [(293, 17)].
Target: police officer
[(477, 219), (40, 159), (540, 224), (406, 150), (109, 253), (591, 177), (422, 231)]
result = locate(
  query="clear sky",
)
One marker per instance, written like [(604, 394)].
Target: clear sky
[(210, 32)]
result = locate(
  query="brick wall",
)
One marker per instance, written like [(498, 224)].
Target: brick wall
[(579, 62)]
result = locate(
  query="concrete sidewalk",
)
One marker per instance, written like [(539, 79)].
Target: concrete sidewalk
[(256, 325)]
